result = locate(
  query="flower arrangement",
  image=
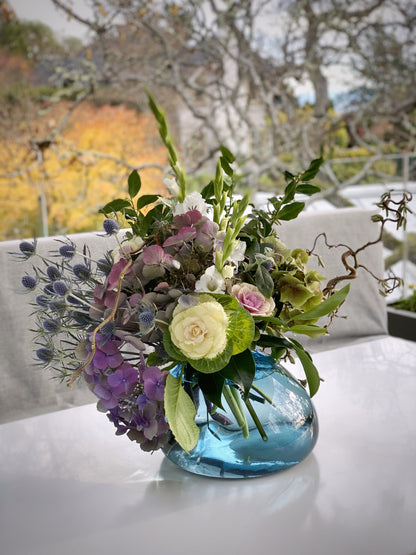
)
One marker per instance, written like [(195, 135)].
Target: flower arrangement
[(190, 291)]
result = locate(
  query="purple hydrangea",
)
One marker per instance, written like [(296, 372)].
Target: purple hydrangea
[(107, 397), (154, 382), (123, 380)]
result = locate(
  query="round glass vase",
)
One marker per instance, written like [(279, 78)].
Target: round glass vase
[(289, 421)]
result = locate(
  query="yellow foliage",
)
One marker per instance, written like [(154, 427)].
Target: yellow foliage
[(80, 172)]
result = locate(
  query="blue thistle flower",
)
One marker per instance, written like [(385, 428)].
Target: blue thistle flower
[(51, 326), (53, 273), (48, 289), (42, 300), (67, 251), (27, 249), (57, 305), (104, 266), (146, 317), (45, 355), (60, 288), (73, 300), (82, 272), (110, 226), (81, 318), (28, 282)]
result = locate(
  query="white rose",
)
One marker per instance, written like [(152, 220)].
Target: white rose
[(200, 331)]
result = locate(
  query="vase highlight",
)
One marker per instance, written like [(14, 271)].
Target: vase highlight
[(288, 418)]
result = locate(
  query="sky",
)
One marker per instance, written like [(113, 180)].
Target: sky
[(45, 12)]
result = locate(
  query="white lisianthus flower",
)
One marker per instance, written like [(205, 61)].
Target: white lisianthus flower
[(200, 331), (171, 185), (193, 201), (132, 245), (210, 282)]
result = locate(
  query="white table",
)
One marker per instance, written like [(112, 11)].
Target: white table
[(68, 485)]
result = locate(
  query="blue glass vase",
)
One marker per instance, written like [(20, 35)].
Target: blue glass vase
[(290, 423)]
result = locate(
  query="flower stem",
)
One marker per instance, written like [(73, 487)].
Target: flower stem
[(256, 419), (233, 400), (265, 397)]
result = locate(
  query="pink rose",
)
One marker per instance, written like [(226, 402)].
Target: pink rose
[(252, 300)]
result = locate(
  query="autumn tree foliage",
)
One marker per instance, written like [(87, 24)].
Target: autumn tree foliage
[(58, 187)]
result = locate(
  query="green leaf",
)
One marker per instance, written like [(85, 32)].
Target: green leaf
[(226, 301), (241, 329), (290, 191), (307, 189), (313, 169), (116, 205), (135, 183), (241, 370), (275, 202), (271, 319), (180, 413), (211, 386), (290, 211), (171, 348), (208, 191), (144, 200), (273, 341), (226, 167), (288, 176), (311, 373), (229, 156), (309, 330), (326, 307), (264, 281), (130, 213)]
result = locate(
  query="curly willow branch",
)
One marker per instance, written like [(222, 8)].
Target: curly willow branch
[(395, 215)]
